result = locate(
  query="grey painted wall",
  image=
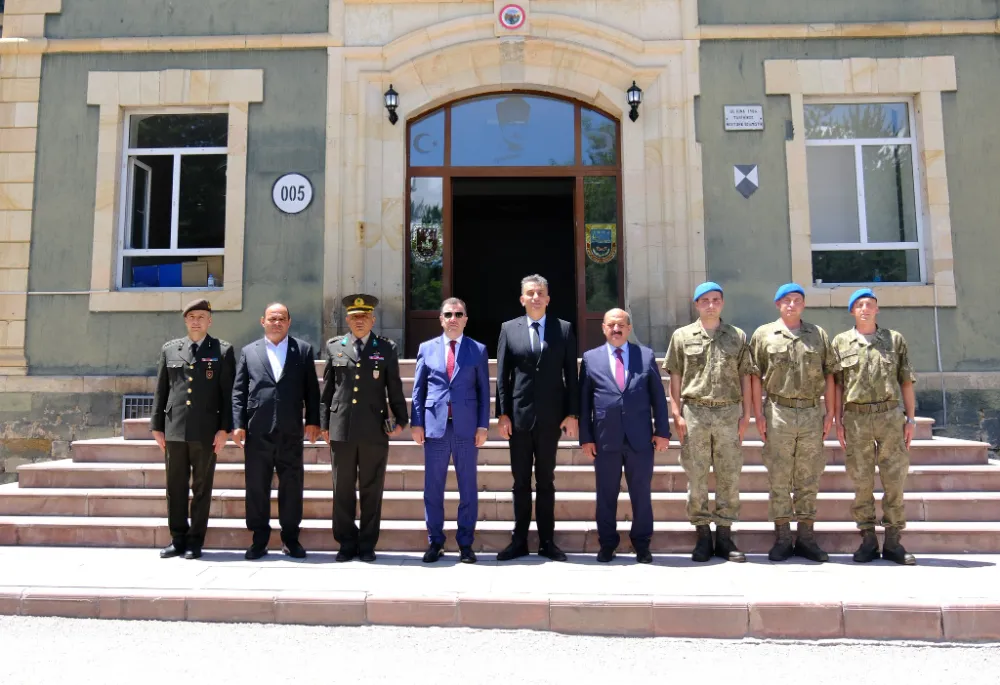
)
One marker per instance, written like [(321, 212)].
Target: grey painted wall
[(283, 254), (850, 11), (747, 240), (115, 18)]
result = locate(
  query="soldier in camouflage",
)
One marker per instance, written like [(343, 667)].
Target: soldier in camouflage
[(874, 374), (794, 366), (710, 366)]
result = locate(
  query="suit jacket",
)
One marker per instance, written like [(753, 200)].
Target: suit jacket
[(468, 390), (609, 416), (193, 397), (537, 388), (356, 391), (263, 405)]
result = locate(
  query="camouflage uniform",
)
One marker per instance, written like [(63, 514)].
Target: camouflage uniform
[(871, 375), (710, 366), (793, 367)]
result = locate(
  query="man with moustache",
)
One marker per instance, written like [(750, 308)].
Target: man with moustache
[(361, 376), (450, 418), (794, 366), (191, 419), (537, 399), (621, 396), (873, 375), (275, 384)]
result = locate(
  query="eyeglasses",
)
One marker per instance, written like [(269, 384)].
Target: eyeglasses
[(457, 315)]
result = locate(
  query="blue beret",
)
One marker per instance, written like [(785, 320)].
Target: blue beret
[(788, 289), (858, 294), (706, 287)]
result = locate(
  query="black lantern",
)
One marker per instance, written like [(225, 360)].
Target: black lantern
[(391, 103), (634, 97)]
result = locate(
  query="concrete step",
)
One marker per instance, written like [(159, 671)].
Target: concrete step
[(491, 536), (493, 506), (118, 450), (493, 478)]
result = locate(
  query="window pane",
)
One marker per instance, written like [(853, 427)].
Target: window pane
[(161, 179), (173, 272), (512, 130), (871, 266), (600, 217), (872, 120), (201, 219), (599, 144), (426, 242), (427, 141), (890, 204), (141, 179), (833, 194), (178, 130)]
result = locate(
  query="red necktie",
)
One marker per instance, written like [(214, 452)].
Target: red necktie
[(450, 363), (620, 369)]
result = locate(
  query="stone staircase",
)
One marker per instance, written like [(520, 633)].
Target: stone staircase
[(111, 493)]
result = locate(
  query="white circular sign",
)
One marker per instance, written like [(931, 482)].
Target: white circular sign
[(292, 193)]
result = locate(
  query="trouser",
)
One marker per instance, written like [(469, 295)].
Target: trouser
[(194, 463), (437, 454), (877, 440), (361, 464), (712, 442), (638, 467), (534, 448), (265, 455), (794, 457)]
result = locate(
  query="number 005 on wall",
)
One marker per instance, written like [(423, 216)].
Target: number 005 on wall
[(292, 193)]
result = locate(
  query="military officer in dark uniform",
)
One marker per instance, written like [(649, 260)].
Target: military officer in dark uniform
[(192, 418), (361, 377)]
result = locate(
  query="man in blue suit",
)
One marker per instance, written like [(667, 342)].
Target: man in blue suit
[(450, 417), (621, 396)]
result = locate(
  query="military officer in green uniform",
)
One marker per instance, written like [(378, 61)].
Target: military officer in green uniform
[(361, 378), (709, 366), (874, 375), (191, 421), (794, 366)]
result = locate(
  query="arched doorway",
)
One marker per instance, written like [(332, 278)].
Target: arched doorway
[(505, 185)]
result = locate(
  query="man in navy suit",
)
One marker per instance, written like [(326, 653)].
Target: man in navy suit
[(450, 417), (621, 396), (275, 384)]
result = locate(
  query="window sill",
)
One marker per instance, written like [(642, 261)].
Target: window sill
[(225, 299), (895, 295)]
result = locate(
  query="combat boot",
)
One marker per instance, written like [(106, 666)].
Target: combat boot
[(894, 551), (806, 545), (868, 551), (782, 543), (725, 548), (703, 548)]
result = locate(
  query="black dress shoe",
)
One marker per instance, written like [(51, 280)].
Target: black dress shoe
[(644, 556), (606, 554), (466, 555), (551, 551), (193, 553), (367, 556), (346, 554), (172, 550), (255, 552), (433, 553), (513, 551), (293, 550)]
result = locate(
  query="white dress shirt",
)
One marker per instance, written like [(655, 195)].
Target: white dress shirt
[(364, 341), (447, 344), (613, 359), (276, 354), (541, 331)]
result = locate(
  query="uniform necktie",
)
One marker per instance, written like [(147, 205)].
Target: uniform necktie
[(194, 351), (535, 344), (358, 346), (451, 359), (620, 369)]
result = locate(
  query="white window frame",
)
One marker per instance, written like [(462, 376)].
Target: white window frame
[(858, 144), (133, 164), (125, 198)]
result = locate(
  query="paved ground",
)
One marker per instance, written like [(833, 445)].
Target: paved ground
[(45, 650)]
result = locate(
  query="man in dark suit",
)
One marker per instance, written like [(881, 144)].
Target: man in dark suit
[(621, 395), (191, 420), (451, 416), (361, 374), (275, 382), (537, 399)]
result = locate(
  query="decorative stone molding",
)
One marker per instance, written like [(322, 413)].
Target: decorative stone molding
[(924, 78), (114, 92)]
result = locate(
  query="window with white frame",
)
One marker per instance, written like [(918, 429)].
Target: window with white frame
[(863, 196), (173, 212)]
